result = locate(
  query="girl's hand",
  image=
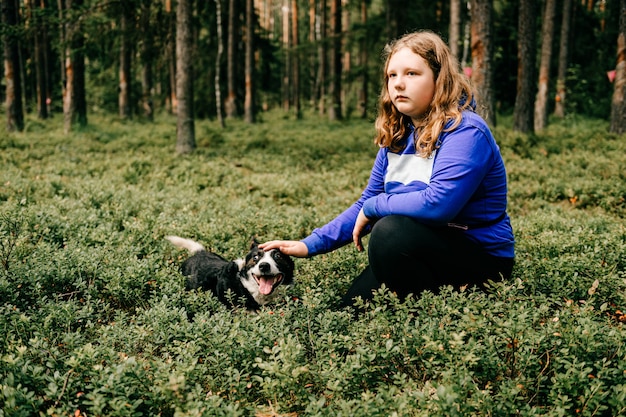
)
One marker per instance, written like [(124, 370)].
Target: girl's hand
[(359, 230), (288, 247)]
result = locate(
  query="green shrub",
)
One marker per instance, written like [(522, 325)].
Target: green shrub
[(96, 320)]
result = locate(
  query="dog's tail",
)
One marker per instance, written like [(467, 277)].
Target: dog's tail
[(183, 243)]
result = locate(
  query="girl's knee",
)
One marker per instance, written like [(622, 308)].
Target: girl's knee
[(386, 229)]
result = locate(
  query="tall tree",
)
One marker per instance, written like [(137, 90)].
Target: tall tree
[(321, 58), (74, 94), (230, 106), (311, 59), (249, 109), (618, 102), (524, 99), (37, 14), (126, 31), (295, 60), (482, 58), (363, 58), (147, 60), (12, 67), (454, 34), (185, 125), (334, 111), (286, 89), (218, 63), (559, 105), (547, 35), (170, 55)]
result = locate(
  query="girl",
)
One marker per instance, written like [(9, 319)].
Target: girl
[(435, 203)]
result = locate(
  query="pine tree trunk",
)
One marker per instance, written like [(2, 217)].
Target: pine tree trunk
[(218, 63), (454, 37), (12, 68), (230, 105), (311, 60), (124, 70), (147, 57), (547, 34), (559, 105), (69, 104), (321, 54), (482, 53), (74, 96), (295, 64), (618, 102), (286, 87), (185, 129), (363, 57), (39, 56), (334, 111), (80, 94), (171, 56), (526, 43), (249, 110)]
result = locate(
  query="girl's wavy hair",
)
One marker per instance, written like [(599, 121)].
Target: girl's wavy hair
[(453, 94)]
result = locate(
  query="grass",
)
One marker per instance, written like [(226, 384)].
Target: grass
[(96, 321)]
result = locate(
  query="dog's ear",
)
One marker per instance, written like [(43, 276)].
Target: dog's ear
[(253, 242)]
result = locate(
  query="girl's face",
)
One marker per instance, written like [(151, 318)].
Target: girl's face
[(411, 83)]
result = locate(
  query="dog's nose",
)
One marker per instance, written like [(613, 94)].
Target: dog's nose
[(265, 268)]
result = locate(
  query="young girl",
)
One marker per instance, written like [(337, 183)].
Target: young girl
[(435, 203)]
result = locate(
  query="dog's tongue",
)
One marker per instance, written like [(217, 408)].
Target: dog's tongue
[(266, 285)]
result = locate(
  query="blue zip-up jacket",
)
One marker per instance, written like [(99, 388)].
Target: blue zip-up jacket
[(463, 185)]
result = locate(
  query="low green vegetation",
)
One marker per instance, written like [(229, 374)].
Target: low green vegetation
[(95, 320)]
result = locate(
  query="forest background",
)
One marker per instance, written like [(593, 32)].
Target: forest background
[(234, 58)]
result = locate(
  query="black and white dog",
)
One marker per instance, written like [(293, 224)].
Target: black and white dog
[(254, 278)]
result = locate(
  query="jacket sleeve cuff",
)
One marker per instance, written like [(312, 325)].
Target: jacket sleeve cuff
[(369, 209), (314, 245)]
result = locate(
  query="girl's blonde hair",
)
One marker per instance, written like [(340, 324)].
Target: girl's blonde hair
[(453, 94)]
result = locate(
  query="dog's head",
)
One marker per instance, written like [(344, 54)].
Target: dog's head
[(269, 269)]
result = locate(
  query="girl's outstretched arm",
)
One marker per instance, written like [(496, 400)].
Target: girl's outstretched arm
[(288, 247)]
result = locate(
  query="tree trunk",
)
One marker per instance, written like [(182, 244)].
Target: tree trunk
[(125, 58), (230, 106), (363, 58), (286, 88), (39, 56), (171, 56), (334, 111), (618, 102), (218, 63), (482, 53), (524, 99), (311, 60), (454, 37), (295, 60), (69, 104), (547, 34), (249, 110), (74, 96), (80, 94), (147, 58), (346, 61), (12, 69), (321, 54), (185, 129), (559, 105)]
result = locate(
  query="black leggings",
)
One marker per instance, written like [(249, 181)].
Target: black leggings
[(410, 257)]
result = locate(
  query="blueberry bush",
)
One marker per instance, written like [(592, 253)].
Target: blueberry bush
[(96, 321)]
